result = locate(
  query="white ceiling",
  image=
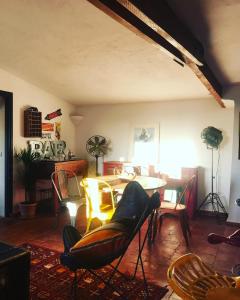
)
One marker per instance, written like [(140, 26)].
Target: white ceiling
[(78, 53)]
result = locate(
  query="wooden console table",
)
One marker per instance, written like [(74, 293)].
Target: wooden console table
[(43, 170)]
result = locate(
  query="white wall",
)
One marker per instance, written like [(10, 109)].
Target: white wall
[(234, 210), (25, 95), (180, 126)]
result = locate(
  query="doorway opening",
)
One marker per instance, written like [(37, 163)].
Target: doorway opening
[(6, 153)]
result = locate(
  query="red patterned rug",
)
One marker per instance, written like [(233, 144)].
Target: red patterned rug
[(51, 281)]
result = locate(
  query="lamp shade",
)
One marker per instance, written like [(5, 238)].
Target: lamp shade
[(76, 119), (212, 136)]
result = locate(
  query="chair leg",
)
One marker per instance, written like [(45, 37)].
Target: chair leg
[(107, 283), (184, 228), (57, 215), (154, 226), (187, 224), (144, 278), (160, 221), (74, 287)]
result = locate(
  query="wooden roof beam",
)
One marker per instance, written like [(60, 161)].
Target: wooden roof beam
[(154, 21), (205, 75), (159, 17), (133, 23)]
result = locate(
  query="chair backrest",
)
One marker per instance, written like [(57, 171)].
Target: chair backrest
[(190, 278), (96, 191), (183, 273), (65, 184), (186, 194), (134, 208)]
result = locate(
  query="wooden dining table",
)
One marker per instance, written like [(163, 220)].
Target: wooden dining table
[(149, 184)]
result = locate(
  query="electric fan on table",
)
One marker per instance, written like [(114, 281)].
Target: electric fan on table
[(97, 146)]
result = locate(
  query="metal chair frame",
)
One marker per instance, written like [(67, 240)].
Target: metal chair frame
[(63, 201), (84, 184), (115, 268), (180, 212)]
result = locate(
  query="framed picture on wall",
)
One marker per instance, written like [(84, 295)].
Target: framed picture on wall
[(144, 144)]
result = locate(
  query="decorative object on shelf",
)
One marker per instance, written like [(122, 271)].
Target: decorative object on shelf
[(76, 119), (213, 137), (97, 146), (46, 136), (54, 150), (32, 122), (27, 157), (58, 130), (53, 115), (70, 155), (47, 127)]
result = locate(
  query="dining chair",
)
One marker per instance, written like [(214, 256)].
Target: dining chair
[(100, 200), (66, 185), (191, 279), (179, 208)]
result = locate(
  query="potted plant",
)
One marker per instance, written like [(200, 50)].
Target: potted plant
[(26, 157)]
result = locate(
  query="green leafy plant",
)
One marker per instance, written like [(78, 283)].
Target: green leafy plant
[(26, 157)]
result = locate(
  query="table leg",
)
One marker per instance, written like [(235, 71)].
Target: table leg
[(153, 225)]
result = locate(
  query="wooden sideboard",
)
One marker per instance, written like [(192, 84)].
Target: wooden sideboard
[(44, 168), (109, 166)]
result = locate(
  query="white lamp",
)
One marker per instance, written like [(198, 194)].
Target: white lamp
[(76, 119)]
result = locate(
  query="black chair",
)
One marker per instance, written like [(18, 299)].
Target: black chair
[(103, 245)]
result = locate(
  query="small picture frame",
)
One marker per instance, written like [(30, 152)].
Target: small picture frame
[(144, 144)]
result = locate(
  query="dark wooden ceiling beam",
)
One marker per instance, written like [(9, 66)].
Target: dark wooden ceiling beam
[(159, 16), (154, 21), (132, 22), (206, 76)]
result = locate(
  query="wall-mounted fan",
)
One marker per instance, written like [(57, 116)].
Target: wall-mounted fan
[(97, 146)]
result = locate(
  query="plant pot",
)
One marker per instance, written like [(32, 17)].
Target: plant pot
[(27, 210)]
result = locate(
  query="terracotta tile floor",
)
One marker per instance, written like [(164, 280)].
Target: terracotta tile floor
[(168, 246)]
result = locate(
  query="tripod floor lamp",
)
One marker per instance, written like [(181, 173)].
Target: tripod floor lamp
[(212, 137)]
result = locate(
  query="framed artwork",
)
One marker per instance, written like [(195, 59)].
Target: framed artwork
[(144, 144)]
